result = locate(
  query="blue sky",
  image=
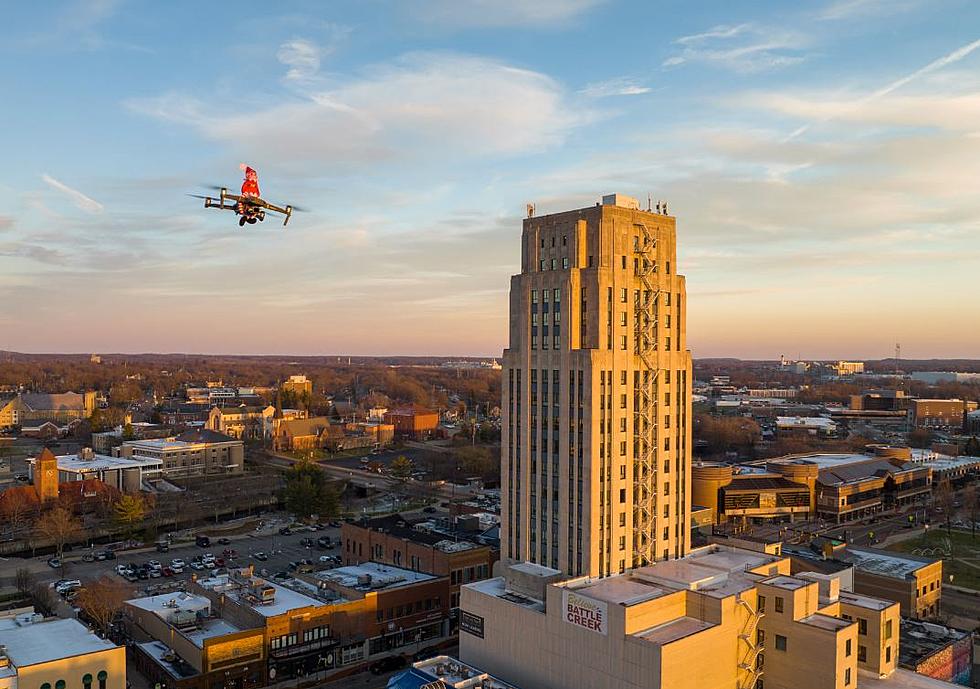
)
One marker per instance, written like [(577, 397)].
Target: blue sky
[(822, 159)]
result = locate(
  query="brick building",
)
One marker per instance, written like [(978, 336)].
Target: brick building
[(393, 541), (414, 421)]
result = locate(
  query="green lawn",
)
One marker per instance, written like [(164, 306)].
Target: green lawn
[(959, 550)]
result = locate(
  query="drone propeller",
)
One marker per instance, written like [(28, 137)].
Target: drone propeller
[(300, 209), (198, 196)]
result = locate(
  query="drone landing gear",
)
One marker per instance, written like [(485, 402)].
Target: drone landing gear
[(241, 221)]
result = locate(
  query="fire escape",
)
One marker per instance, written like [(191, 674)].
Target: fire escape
[(645, 398), (749, 661)]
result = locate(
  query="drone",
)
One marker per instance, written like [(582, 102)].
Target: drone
[(249, 206)]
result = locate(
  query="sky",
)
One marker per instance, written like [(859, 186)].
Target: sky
[(822, 159)]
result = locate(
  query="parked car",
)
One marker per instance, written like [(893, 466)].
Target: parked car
[(88, 557), (177, 562), (262, 557), (54, 563), (163, 547), (67, 585), (425, 653), (306, 542), (224, 541), (285, 531), (167, 572), (323, 541), (429, 510), (387, 664), (197, 565), (202, 541)]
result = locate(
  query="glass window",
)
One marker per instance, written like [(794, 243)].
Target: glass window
[(534, 296), (888, 629), (780, 641), (103, 676), (557, 295), (862, 626), (779, 603), (862, 654), (847, 648)]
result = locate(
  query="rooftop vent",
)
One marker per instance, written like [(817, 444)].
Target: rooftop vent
[(621, 200)]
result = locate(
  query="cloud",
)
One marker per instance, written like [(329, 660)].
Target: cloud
[(619, 86), (742, 48), (81, 201), (6, 222), (499, 13), (860, 103), (422, 106), (849, 9), (75, 25), (302, 57)]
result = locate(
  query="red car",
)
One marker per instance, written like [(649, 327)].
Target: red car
[(219, 562), (168, 572)]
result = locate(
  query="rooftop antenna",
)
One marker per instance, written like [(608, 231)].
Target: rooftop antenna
[(898, 357), (649, 203)]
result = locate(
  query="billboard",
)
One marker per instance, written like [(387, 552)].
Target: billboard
[(584, 612)]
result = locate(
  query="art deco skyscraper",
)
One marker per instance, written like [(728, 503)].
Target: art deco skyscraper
[(595, 459)]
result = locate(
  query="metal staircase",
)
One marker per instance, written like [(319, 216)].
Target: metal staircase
[(645, 399), (748, 662)]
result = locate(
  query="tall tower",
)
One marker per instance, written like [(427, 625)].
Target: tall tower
[(46, 476), (595, 454)]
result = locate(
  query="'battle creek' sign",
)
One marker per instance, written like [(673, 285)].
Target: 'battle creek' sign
[(584, 612)]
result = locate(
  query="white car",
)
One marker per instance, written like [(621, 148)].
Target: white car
[(177, 562)]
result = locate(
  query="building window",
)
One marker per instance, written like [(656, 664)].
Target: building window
[(847, 648), (888, 654), (87, 681), (103, 676), (760, 637), (862, 654), (888, 629), (847, 677), (862, 626), (534, 296), (779, 603), (780, 641), (762, 604), (564, 262), (624, 295)]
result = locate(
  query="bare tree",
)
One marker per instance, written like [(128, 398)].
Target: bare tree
[(101, 601), (971, 500), (944, 499), (25, 581), (58, 526)]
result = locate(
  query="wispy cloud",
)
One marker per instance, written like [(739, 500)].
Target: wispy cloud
[(499, 13), (302, 57), (81, 201), (859, 103), (849, 9), (422, 106), (618, 86), (743, 48)]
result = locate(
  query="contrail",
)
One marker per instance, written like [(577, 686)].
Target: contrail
[(953, 57), (82, 201)]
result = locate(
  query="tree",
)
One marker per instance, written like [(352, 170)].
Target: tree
[(944, 498), (101, 601), (971, 499), (920, 438), (307, 492), (478, 461), (726, 433), (59, 526), (129, 512), (128, 433), (400, 467), (25, 581)]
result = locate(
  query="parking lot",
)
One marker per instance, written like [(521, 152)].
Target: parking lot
[(279, 551)]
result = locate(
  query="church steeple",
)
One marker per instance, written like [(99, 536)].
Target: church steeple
[(46, 476)]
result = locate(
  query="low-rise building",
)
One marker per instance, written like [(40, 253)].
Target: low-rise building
[(413, 422), (184, 643), (393, 541), (444, 672), (243, 422), (914, 582), (34, 408), (299, 385), (197, 452), (942, 414), (36, 653), (125, 474), (937, 651), (292, 435), (806, 425), (331, 619), (720, 617)]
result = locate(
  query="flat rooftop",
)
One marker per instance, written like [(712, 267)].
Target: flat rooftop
[(673, 630), (166, 603), (46, 641), (868, 602), (786, 583), (165, 658), (497, 587), (827, 622), (887, 564), (451, 672), (285, 599), (76, 465), (372, 576), (209, 629), (900, 679), (919, 640)]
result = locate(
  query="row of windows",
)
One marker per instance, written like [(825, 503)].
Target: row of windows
[(397, 611)]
